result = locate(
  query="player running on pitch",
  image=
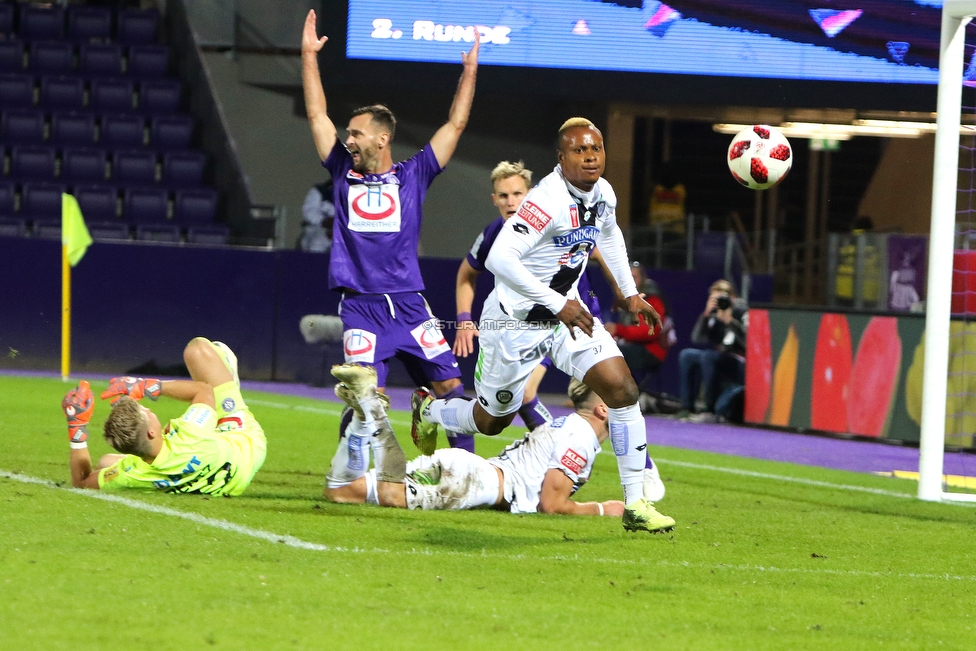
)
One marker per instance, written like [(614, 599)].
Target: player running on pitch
[(215, 447), (377, 228), (535, 310), (538, 473)]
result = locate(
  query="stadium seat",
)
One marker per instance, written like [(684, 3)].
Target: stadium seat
[(100, 60), (6, 198), (160, 96), (41, 200), (117, 230), (49, 228), (195, 206), (171, 132), (212, 234), (83, 166), (22, 128), (62, 93), (111, 96), (32, 163), (98, 202), (143, 205), (134, 167), (148, 60), (89, 24), (11, 56), (6, 18), (158, 232), (13, 227), (183, 168), (16, 91), (39, 22), (72, 129), (51, 58), (123, 131), (137, 26)]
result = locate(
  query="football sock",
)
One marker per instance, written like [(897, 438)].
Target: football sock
[(344, 420), (628, 436), (534, 414), (391, 464), (455, 439), (456, 415), (351, 460)]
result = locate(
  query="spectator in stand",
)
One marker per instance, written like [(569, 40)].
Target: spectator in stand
[(318, 218), (720, 367), (643, 349)]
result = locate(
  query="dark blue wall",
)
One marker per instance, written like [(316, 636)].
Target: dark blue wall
[(135, 304)]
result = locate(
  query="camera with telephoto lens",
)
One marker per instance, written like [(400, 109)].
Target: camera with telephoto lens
[(723, 302)]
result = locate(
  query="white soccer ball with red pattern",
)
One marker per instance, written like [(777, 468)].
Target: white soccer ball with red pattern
[(760, 156)]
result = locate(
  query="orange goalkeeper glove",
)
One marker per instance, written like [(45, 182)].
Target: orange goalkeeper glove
[(78, 405), (134, 387)]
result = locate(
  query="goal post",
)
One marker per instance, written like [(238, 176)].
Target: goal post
[(956, 14)]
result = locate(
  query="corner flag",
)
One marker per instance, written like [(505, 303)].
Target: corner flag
[(74, 233)]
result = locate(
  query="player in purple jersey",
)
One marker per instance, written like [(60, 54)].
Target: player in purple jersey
[(378, 208)]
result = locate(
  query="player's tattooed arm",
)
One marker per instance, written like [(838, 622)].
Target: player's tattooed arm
[(323, 130)]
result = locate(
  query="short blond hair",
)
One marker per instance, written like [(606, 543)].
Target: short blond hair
[(581, 395), (723, 285), (126, 428), (507, 169), (575, 122)]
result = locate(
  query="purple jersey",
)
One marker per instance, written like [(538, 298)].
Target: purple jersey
[(377, 223), (482, 245)]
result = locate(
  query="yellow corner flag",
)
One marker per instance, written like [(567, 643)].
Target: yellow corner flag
[(74, 233)]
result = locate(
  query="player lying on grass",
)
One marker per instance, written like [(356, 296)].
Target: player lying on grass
[(215, 447), (538, 473)]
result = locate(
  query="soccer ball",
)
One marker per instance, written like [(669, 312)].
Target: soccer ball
[(760, 156)]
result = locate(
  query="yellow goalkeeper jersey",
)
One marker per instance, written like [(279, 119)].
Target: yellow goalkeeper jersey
[(213, 452)]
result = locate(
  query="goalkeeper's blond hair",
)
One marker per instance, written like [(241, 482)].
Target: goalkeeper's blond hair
[(507, 169), (126, 428)]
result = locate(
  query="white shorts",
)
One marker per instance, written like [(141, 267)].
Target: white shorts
[(467, 482), (510, 349)]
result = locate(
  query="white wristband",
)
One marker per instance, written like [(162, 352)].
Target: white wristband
[(84, 444), (599, 505)]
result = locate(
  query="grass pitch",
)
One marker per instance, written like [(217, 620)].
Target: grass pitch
[(765, 556)]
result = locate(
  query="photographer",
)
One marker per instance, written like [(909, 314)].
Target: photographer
[(721, 367)]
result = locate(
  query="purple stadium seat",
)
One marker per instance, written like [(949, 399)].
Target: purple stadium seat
[(196, 206), (83, 166), (98, 202), (142, 205), (158, 232), (22, 128), (72, 129), (41, 201), (171, 132), (13, 226), (48, 228), (100, 60), (32, 163), (89, 24), (210, 234), (137, 26), (111, 96), (6, 18), (148, 60), (123, 131), (63, 93), (39, 22), (11, 56), (134, 167), (117, 230), (160, 96), (16, 91), (6, 198), (183, 168), (52, 57)]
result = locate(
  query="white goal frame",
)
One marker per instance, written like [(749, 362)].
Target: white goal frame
[(956, 14)]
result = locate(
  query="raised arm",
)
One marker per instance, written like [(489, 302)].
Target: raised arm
[(78, 406), (466, 331), (323, 130), (446, 139)]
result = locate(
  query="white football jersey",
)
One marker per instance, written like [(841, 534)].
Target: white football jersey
[(568, 444), (553, 232)]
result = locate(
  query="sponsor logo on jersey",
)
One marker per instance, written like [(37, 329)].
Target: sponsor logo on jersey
[(352, 174), (374, 208), (574, 216), (521, 229), (110, 473), (228, 405), (504, 396), (533, 215), (585, 234), (574, 461), (359, 345), (229, 424), (430, 338), (572, 259)]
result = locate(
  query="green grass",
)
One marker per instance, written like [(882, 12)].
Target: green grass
[(756, 562)]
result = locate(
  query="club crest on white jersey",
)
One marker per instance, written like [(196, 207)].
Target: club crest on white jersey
[(374, 208)]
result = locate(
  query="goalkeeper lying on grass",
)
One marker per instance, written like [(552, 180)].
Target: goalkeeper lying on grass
[(538, 473), (215, 447)]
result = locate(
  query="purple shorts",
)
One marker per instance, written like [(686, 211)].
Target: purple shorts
[(377, 327)]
